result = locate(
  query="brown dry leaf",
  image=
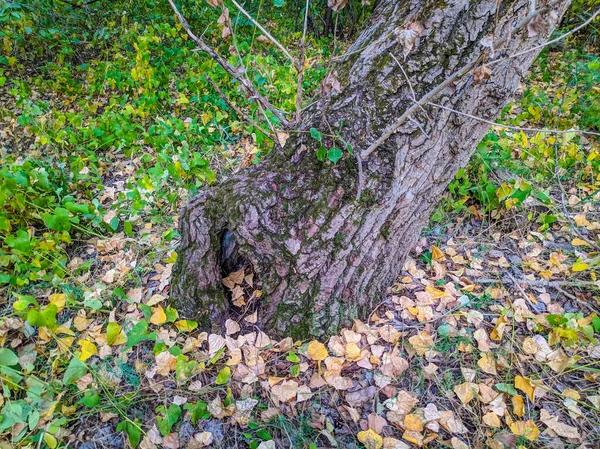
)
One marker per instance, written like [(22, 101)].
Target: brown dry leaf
[(376, 422), (487, 363), (285, 391), (527, 429), (530, 346), (481, 74), (458, 443), (483, 340), (421, 343), (393, 443), (389, 333), (561, 429), (215, 343), (466, 391), (337, 5), (231, 327), (165, 363), (235, 278), (524, 384)]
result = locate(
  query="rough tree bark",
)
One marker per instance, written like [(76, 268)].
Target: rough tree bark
[(322, 256)]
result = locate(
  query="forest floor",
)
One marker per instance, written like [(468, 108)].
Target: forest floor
[(488, 338)]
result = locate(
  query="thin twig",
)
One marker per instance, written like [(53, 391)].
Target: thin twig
[(265, 32), (515, 128), (232, 71), (237, 110)]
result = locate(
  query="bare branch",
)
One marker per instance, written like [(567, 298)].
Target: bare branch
[(232, 71), (553, 41), (265, 32), (237, 110), (455, 76), (516, 128)]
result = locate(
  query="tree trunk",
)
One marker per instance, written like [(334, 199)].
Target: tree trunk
[(322, 256)]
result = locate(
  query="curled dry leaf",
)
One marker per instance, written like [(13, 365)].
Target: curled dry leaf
[(285, 391), (337, 5), (561, 429), (526, 386)]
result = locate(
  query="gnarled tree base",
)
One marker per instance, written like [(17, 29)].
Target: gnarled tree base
[(322, 256)]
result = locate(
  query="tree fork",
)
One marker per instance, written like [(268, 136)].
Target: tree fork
[(322, 256)]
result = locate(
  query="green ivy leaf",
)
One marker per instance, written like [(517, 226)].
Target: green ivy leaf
[(314, 132), (75, 371), (8, 357), (334, 154), (168, 418), (322, 153), (91, 399), (139, 333)]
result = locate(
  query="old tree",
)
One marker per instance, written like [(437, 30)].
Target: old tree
[(409, 97)]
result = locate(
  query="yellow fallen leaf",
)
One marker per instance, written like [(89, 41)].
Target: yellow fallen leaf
[(579, 266), (491, 420), (159, 316), (371, 439), (570, 393), (436, 293), (59, 300), (526, 429), (316, 351), (352, 352), (579, 242), (524, 384), (421, 343), (518, 405), (413, 422), (88, 349), (487, 363), (466, 391), (437, 254), (498, 330)]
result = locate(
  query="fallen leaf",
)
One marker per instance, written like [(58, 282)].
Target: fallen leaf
[(466, 391), (316, 351), (524, 384), (285, 391), (518, 405), (371, 439), (561, 429), (526, 429)]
